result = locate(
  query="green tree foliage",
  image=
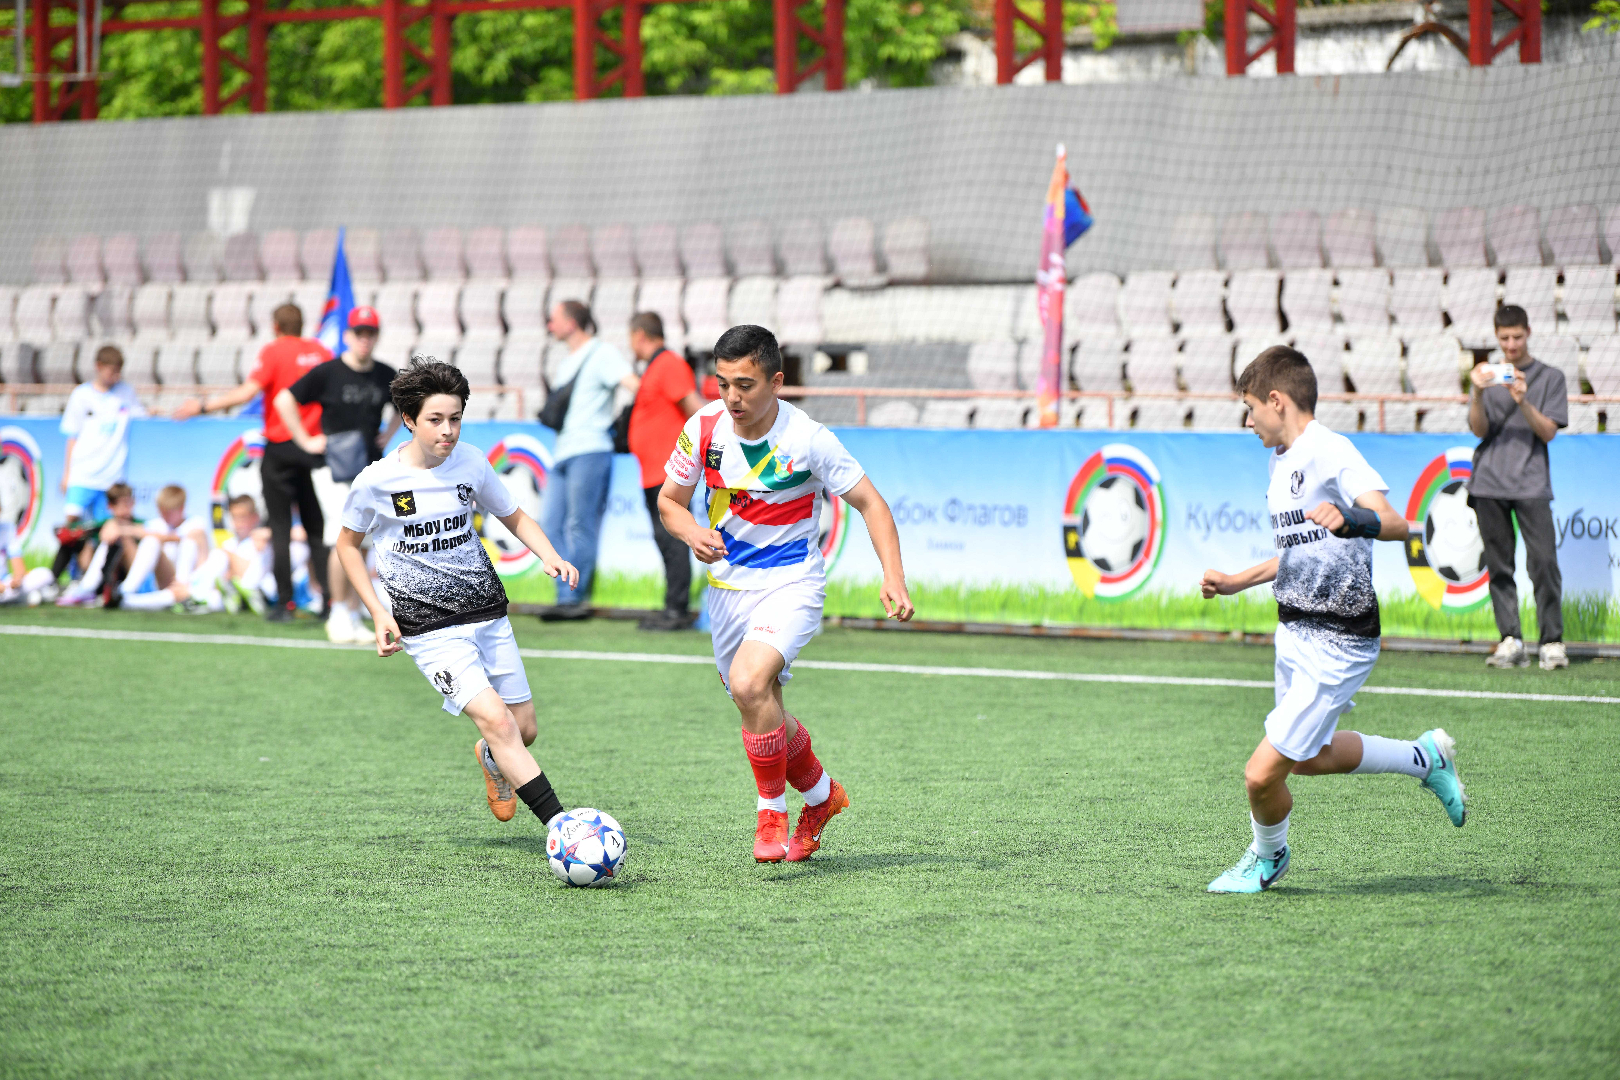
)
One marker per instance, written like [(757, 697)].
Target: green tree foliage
[(713, 47)]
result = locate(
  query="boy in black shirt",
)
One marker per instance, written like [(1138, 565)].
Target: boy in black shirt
[(352, 391)]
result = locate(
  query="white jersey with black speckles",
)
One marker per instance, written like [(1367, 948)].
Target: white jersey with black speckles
[(430, 557)]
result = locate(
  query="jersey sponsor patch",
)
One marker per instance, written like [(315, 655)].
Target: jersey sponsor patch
[(683, 442), (404, 503)]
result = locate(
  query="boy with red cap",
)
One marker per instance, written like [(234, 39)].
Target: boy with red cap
[(351, 392)]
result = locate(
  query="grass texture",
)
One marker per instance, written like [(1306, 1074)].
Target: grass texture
[(225, 861)]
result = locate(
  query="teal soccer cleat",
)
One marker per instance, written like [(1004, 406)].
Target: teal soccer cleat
[(1252, 874), (1442, 778)]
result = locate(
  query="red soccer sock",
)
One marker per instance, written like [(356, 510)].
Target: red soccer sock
[(803, 769), (767, 754)]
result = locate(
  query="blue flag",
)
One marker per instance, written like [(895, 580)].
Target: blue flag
[(1076, 217), (339, 302)]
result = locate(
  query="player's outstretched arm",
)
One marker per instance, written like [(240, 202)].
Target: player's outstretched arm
[(353, 561), (526, 529), (1372, 517), (1216, 583), (675, 510), (886, 542)]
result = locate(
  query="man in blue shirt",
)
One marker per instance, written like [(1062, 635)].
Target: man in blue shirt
[(576, 493)]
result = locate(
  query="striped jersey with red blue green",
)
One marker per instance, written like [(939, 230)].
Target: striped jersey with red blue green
[(765, 497)]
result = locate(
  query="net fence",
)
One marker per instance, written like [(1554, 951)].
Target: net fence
[(889, 239)]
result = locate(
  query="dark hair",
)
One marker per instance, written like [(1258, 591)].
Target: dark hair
[(1512, 315), (648, 323), (118, 492), (109, 354), (421, 379), (1284, 370), (749, 342), (289, 320), (580, 312)]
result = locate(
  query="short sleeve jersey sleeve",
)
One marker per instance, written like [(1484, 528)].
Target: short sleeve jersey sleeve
[(833, 465), (683, 464), (360, 508), (1349, 476), (76, 413), (492, 495), (611, 367), (312, 386), (1554, 397)]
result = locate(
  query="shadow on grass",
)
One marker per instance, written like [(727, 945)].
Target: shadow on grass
[(861, 864), (535, 845), (1402, 885)]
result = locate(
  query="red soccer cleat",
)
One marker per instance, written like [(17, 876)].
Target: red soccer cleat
[(502, 799), (812, 819), (770, 838)]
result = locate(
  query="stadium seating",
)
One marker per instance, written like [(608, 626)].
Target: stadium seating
[(662, 295), (70, 316), (1402, 236), (570, 248), (1192, 242), (851, 316), (319, 247), (1554, 350), (201, 257), (1348, 238), (703, 250), (524, 305), (798, 310), (704, 310), (1341, 416), (486, 254), (55, 363), (1150, 366), (175, 363), (84, 262), (954, 312), (1325, 351), (1416, 301), (33, 314), (121, 260), (310, 299), (1307, 299), (1091, 305), (657, 251), (1296, 236), (612, 304), (223, 363), (1434, 365), (528, 254), (752, 254), (905, 250), (1515, 236), (802, 248), (188, 313), (1589, 301), (893, 412), (17, 363), (228, 310), (1533, 288), (442, 254), (438, 311), (1374, 365), (852, 242), (163, 258), (1603, 368), (1252, 301), (1243, 242), (1459, 235), (993, 365), (613, 252), (278, 252), (361, 247), (1144, 302), (49, 261), (753, 300), (1572, 234), (1198, 300), (481, 311), (396, 312), (1364, 300), (479, 362), (239, 258), (401, 255), (1206, 365), (946, 413), (1471, 305)]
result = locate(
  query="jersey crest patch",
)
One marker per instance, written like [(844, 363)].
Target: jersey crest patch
[(446, 683), (464, 492), (404, 503), (712, 459), (1296, 483)]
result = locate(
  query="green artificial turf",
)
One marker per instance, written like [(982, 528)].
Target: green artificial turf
[(227, 861)]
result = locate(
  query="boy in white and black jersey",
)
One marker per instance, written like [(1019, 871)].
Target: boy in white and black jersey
[(767, 469), (1327, 507), (448, 604)]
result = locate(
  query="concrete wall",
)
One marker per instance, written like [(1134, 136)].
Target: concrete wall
[(973, 161)]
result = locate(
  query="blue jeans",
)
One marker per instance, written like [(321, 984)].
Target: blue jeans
[(571, 513)]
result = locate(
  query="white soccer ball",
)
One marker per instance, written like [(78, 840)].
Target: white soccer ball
[(1451, 539), (1113, 525), (585, 847)]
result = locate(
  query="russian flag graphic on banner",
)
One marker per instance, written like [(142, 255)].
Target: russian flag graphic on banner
[(339, 302)]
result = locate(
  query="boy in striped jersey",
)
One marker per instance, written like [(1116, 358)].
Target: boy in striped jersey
[(766, 468)]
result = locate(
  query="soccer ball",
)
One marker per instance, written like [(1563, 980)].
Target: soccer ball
[(1451, 540), (585, 847), (1113, 526)]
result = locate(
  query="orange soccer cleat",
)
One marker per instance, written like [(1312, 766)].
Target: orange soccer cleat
[(770, 838), (812, 819), (502, 799)]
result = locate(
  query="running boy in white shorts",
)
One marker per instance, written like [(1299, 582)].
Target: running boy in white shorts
[(1327, 507), (448, 604), (767, 468)]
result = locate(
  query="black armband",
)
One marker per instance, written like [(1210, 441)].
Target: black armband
[(1360, 522)]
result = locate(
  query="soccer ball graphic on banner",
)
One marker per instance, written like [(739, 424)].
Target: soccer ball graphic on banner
[(1451, 535), (585, 847), (1445, 553), (1114, 525)]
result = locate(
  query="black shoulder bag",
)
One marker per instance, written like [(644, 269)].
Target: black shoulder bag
[(554, 413)]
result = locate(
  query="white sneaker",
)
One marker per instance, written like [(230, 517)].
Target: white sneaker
[(1509, 654), (1553, 656), (339, 625)]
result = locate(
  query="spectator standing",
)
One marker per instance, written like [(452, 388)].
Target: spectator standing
[(576, 494), (352, 392), (286, 471), (667, 396), (96, 423), (1512, 482)]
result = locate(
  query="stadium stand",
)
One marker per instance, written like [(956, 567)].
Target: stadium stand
[(905, 250), (486, 254), (1349, 238), (1515, 236), (1572, 235), (1192, 242), (1296, 236), (1252, 301)]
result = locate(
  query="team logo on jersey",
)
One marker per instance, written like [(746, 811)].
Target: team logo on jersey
[(22, 481), (1113, 522), (1296, 483), (464, 494), (683, 442), (446, 683), (523, 464), (404, 503), (1445, 554), (712, 459), (237, 474)]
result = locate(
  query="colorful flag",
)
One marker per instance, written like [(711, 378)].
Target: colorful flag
[(339, 302), (1049, 280)]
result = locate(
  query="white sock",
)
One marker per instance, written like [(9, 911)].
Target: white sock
[(820, 792), (1379, 755), (1270, 839), (779, 804), (144, 562), (156, 600)]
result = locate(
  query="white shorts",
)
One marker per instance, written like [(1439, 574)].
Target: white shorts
[(785, 618), (463, 661), (331, 495), (1316, 676)]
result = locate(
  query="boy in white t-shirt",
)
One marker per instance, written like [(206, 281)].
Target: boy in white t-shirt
[(448, 606), (168, 558), (240, 567), (96, 423), (767, 468), (1327, 507)]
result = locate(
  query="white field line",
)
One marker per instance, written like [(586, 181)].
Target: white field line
[(812, 665)]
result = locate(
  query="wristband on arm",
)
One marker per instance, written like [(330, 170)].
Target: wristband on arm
[(1359, 522)]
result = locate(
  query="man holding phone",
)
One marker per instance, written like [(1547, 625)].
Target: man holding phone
[(1515, 408)]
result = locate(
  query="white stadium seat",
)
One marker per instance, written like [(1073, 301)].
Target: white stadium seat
[(1516, 236), (218, 363), (230, 309), (1192, 242), (905, 249), (662, 296), (1459, 234), (612, 305), (1206, 365), (804, 252), (1533, 288), (1589, 301), (1150, 365), (1374, 365), (798, 309), (438, 310), (892, 412), (852, 242), (1252, 301), (176, 364), (1325, 350), (1307, 299), (1603, 369), (863, 316), (752, 253), (442, 254), (705, 310), (1198, 300), (946, 413), (993, 365), (703, 250), (1416, 300), (70, 317), (1340, 416), (401, 257), (524, 305), (1364, 300), (1000, 414), (658, 251), (528, 255), (753, 301), (1348, 237), (481, 310), (1243, 242), (486, 254), (1296, 236), (188, 313), (1572, 233), (1098, 363), (1144, 303), (1403, 236), (953, 312), (570, 249), (1434, 365), (1091, 305), (479, 362), (1471, 304)]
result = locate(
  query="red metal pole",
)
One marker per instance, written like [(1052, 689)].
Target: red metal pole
[(635, 82), (584, 51), (833, 30), (1530, 39), (209, 29), (442, 47), (1283, 35), (1006, 54), (258, 57), (1237, 37), (787, 46), (1481, 35), (393, 56), (1052, 32)]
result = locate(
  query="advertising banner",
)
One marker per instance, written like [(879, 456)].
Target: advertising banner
[(1032, 527)]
